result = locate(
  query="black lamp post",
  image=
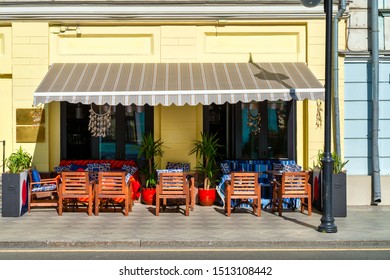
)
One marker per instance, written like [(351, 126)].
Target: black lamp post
[(327, 220)]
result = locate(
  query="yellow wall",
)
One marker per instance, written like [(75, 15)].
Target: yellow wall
[(178, 130), (23, 64), (6, 112), (36, 45)]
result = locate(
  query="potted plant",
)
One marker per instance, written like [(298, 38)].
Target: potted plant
[(339, 184), (15, 185), (206, 150), (149, 149)]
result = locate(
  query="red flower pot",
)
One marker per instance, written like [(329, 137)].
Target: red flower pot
[(149, 196), (206, 197)]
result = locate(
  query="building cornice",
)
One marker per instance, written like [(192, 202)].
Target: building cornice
[(52, 11)]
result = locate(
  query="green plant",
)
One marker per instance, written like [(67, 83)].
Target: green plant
[(207, 149), (18, 161), (149, 149), (338, 163)]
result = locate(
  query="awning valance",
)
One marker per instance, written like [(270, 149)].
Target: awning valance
[(177, 83)]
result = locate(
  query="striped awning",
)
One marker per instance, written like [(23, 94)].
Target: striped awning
[(177, 83)]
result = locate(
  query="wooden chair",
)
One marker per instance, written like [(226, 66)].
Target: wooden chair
[(173, 186), (75, 186), (292, 185), (43, 192), (112, 186), (243, 186)]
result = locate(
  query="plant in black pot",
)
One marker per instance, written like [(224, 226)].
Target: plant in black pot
[(149, 149), (339, 184), (15, 184), (206, 150)]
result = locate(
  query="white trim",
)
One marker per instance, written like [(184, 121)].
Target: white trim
[(181, 92), (167, 11)]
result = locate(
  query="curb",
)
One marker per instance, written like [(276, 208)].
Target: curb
[(151, 244)]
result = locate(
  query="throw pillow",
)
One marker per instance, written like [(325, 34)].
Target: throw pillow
[(96, 167), (36, 177), (60, 169), (129, 169), (225, 168), (178, 165)]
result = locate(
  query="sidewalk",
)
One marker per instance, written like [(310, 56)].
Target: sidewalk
[(206, 227)]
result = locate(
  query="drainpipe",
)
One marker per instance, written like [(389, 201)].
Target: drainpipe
[(376, 188), (336, 112)]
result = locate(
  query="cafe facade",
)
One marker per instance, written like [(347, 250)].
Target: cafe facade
[(252, 73)]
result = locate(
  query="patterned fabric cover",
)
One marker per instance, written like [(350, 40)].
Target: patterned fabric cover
[(130, 169), (115, 164), (167, 171), (96, 167), (60, 169), (286, 167), (225, 168), (178, 165), (44, 188)]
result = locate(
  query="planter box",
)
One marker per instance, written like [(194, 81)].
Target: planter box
[(14, 194), (339, 192)]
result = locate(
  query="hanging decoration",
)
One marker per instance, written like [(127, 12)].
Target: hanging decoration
[(254, 122), (99, 124), (319, 114), (281, 119)]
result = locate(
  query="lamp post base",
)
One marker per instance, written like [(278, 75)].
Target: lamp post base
[(327, 227)]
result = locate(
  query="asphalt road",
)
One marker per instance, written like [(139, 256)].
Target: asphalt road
[(197, 254)]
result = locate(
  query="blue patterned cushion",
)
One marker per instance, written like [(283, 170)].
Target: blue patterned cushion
[(287, 167), (129, 169), (292, 168), (167, 171), (93, 176), (278, 166), (44, 188), (75, 167), (127, 178), (225, 168), (96, 167), (60, 169), (178, 165)]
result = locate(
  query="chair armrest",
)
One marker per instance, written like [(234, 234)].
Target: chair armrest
[(47, 181)]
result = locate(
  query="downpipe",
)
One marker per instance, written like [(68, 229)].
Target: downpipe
[(376, 187), (336, 102)]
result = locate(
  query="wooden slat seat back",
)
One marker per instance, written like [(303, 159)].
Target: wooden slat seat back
[(292, 185), (112, 185), (173, 186), (75, 185), (243, 186)]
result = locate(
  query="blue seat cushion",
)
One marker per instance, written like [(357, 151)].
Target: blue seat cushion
[(44, 188)]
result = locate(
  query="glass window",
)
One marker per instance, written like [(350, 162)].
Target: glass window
[(107, 144), (134, 129), (256, 130), (277, 129), (127, 125), (250, 130)]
